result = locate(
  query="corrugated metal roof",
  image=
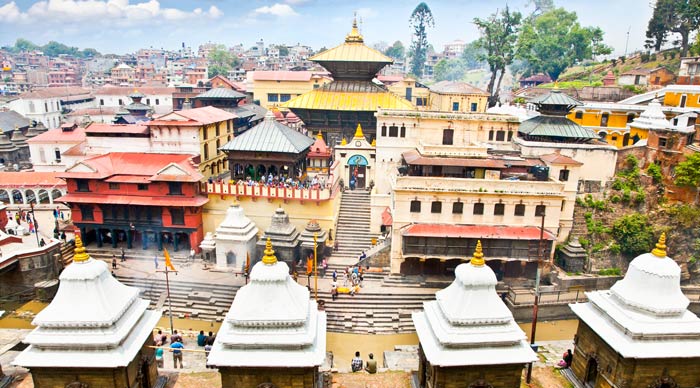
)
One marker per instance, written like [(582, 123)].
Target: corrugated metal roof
[(270, 136), (11, 119), (555, 126), (477, 231), (351, 52), (556, 97), (221, 93), (349, 96)]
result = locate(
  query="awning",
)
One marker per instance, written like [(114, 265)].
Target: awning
[(387, 219), (414, 158), (133, 200), (476, 231)]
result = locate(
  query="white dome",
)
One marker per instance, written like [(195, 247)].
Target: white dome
[(652, 118)]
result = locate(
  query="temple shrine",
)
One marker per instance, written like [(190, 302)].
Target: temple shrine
[(273, 334), (235, 238), (351, 98), (95, 332), (468, 337), (284, 235), (639, 333), (307, 240)]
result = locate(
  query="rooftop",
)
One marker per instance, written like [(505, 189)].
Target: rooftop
[(283, 75), (58, 135), (454, 87), (99, 128), (10, 120), (221, 93), (157, 167), (57, 92), (270, 136), (349, 96), (193, 117), (30, 179)]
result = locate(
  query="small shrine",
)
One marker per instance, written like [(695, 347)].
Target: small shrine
[(552, 125), (284, 235), (319, 157), (9, 153), (468, 337), (358, 157), (572, 257), (136, 112), (639, 333), (20, 141), (307, 241), (95, 332), (235, 239), (273, 334)]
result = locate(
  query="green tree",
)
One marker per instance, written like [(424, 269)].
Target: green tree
[(499, 34), (420, 20), (541, 6), (396, 50), (688, 174), (555, 40), (284, 50), (471, 56), (633, 233), (680, 17), (221, 61), (54, 49), (449, 70), (24, 45)]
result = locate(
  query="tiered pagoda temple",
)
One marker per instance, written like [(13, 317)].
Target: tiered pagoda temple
[(639, 333), (284, 235), (552, 125), (468, 337), (352, 98), (273, 334), (307, 240), (95, 332)]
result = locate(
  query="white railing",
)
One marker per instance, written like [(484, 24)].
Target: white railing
[(485, 186)]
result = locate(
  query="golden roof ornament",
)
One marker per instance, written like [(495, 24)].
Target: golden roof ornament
[(235, 203), (358, 132), (374, 143), (354, 35), (660, 250), (478, 258), (343, 142), (80, 251), (319, 136), (269, 258)]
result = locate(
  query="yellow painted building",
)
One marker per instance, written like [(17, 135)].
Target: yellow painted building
[(450, 96), (274, 88), (682, 96), (408, 88)]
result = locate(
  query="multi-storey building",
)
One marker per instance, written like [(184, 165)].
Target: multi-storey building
[(273, 88), (159, 98)]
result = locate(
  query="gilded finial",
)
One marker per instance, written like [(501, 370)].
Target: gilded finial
[(374, 143), (478, 258), (80, 252), (660, 250), (235, 203), (343, 142), (319, 136), (269, 258), (358, 132), (354, 35)]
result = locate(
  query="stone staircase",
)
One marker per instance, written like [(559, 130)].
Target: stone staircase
[(105, 253), (67, 252), (579, 227), (208, 302), (352, 231)]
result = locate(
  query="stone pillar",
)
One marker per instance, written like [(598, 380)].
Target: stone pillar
[(144, 240), (129, 236), (159, 240), (99, 238), (114, 238), (175, 243)]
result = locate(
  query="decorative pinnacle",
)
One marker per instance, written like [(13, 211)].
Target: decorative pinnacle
[(354, 35), (80, 252), (343, 142), (478, 258), (358, 132), (374, 143), (319, 136), (660, 250), (269, 258), (235, 203)]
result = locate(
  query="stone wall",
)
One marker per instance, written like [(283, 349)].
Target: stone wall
[(33, 268), (497, 376), (279, 377)]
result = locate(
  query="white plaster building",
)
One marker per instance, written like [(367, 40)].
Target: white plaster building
[(158, 98), (235, 239)]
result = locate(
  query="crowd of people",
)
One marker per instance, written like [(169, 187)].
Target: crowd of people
[(177, 346), (352, 281), (277, 181)]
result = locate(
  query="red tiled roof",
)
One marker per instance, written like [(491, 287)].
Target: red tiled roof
[(104, 111), (138, 164), (282, 75), (57, 135), (388, 79), (13, 179), (476, 231), (136, 129), (234, 85), (413, 157), (560, 159), (125, 91), (196, 116), (57, 92), (319, 149), (133, 199), (387, 219)]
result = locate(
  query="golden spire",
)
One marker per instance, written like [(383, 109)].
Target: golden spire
[(478, 258), (660, 250), (235, 203), (358, 132), (374, 143), (343, 142), (269, 258), (80, 252), (354, 35), (319, 136)]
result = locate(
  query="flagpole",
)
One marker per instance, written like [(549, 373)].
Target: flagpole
[(315, 269), (170, 305)]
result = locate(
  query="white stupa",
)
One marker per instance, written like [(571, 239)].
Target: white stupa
[(93, 322), (235, 238), (271, 323), (645, 315), (652, 117), (468, 323)]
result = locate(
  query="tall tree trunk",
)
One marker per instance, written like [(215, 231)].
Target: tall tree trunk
[(495, 95), (685, 35), (489, 89)]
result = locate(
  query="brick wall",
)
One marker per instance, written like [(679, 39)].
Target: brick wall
[(498, 376), (280, 377)]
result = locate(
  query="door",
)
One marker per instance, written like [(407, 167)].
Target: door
[(591, 372), (683, 100), (361, 176)]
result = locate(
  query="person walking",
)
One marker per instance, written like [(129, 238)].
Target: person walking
[(123, 255), (324, 267), (345, 280), (371, 364), (334, 290), (155, 261), (356, 363), (159, 354), (335, 276), (176, 347), (114, 262), (201, 338)]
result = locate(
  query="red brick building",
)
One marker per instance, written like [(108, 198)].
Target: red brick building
[(137, 199)]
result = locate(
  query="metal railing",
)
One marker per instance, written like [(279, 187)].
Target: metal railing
[(527, 297)]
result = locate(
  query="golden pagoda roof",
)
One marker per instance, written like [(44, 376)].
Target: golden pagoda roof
[(349, 96), (352, 50)]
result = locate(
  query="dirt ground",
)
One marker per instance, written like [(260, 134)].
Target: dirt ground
[(545, 377), (366, 380), (194, 380)]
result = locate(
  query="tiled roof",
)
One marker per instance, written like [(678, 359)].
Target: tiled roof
[(151, 165), (220, 93), (282, 75), (125, 91), (103, 111), (413, 157), (270, 136), (28, 179), (560, 159), (476, 231), (57, 135), (453, 87), (11, 119), (133, 199), (116, 128), (349, 96), (57, 92), (555, 126), (196, 116)]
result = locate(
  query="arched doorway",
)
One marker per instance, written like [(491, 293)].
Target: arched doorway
[(55, 194), (44, 196), (625, 140), (4, 196), (357, 171), (591, 372), (31, 197), (17, 197)]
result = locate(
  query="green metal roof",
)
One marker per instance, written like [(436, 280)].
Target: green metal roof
[(270, 136), (555, 126), (556, 97)]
